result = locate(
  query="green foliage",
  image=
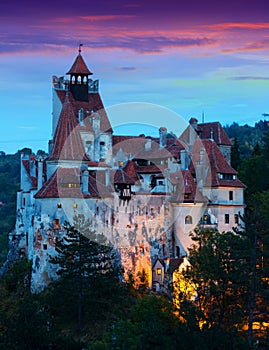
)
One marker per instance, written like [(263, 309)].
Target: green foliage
[(247, 136), (220, 272), (152, 325), (9, 185), (143, 283), (86, 267)]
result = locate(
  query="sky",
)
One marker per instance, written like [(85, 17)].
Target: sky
[(187, 58)]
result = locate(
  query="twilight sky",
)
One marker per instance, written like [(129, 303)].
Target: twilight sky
[(190, 57)]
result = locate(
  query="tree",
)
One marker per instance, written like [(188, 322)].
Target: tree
[(86, 265), (235, 154), (150, 325), (220, 273), (257, 229)]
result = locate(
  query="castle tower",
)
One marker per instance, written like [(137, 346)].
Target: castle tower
[(79, 78)]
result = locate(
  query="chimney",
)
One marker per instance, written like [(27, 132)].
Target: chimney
[(81, 116), (85, 181), (163, 137), (96, 122), (40, 174), (194, 123), (148, 143), (107, 173)]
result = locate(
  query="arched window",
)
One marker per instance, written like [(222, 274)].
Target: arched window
[(79, 79), (188, 220), (73, 80), (85, 80)]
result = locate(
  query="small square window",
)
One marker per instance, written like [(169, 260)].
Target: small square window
[(59, 205), (159, 271)]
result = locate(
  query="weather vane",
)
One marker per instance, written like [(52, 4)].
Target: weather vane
[(79, 47)]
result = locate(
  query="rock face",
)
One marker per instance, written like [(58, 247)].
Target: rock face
[(144, 194)]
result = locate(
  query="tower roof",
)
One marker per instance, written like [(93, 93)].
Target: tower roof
[(67, 140), (79, 66)]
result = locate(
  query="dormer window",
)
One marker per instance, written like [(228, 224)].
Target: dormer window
[(70, 185)]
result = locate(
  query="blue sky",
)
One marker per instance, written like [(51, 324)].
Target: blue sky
[(185, 58)]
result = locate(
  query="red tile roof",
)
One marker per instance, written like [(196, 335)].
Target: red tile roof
[(172, 263), (67, 140), (215, 163), (97, 185), (57, 185), (79, 66), (94, 104), (121, 177), (150, 169), (134, 146), (186, 188), (207, 130), (130, 170)]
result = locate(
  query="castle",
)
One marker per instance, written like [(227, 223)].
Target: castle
[(145, 194)]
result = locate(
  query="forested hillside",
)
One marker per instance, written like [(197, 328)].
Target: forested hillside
[(9, 185), (246, 137)]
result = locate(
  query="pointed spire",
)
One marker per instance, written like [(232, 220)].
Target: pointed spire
[(79, 66), (67, 140)]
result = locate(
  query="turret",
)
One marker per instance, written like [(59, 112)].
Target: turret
[(79, 78)]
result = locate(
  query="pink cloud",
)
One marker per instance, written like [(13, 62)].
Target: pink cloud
[(236, 25)]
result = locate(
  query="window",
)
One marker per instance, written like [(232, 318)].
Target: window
[(159, 271), (227, 219), (75, 205), (177, 251), (45, 247), (188, 220), (102, 143), (206, 219), (231, 195), (56, 224), (70, 185), (236, 218), (59, 205)]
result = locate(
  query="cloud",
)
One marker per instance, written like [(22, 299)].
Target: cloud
[(103, 18), (150, 43), (237, 25), (248, 78), (127, 68), (253, 46)]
